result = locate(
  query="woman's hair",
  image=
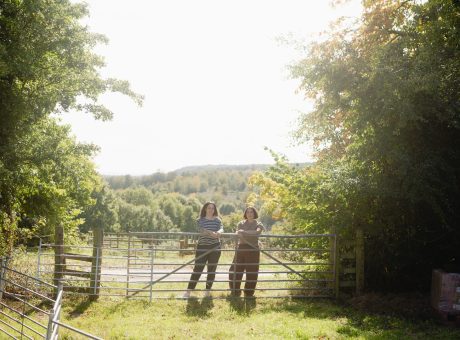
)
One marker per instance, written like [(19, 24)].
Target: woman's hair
[(203, 210), (256, 214)]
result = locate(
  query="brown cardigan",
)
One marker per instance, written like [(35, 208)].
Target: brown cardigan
[(249, 226)]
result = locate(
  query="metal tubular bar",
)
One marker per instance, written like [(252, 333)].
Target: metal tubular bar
[(22, 315), (127, 267), (27, 303), (77, 330), (222, 297), (13, 328), (140, 270), (5, 332), (33, 330), (222, 281), (9, 316), (223, 234), (177, 249), (9, 308), (38, 258), (9, 325), (17, 312), (140, 290), (30, 277), (229, 264), (216, 281), (29, 290), (179, 268), (52, 331), (151, 273), (225, 272)]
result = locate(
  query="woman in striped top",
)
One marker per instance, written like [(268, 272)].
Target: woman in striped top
[(208, 247)]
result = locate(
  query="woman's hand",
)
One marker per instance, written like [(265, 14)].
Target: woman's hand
[(215, 234)]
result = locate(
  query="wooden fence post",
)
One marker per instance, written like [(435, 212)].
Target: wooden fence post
[(333, 261), (359, 261), (95, 282), (59, 260), (336, 265), (128, 263), (2, 276)]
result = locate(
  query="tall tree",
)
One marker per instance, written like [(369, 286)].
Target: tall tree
[(46, 66), (385, 125)]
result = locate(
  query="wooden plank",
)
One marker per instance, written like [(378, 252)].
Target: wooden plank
[(348, 256), (347, 284), (349, 271), (348, 243), (85, 290), (79, 273), (78, 257)]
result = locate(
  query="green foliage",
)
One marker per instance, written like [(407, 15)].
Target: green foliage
[(227, 208), (179, 210), (175, 198), (103, 214), (137, 196), (231, 221), (139, 210), (385, 125), (47, 66), (53, 181), (135, 217)]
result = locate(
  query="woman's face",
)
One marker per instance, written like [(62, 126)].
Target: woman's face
[(250, 214), (210, 210)]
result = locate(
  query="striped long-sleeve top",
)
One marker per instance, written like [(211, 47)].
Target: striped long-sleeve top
[(214, 224)]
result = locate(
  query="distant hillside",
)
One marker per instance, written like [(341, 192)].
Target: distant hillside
[(206, 175), (210, 167), (193, 179)]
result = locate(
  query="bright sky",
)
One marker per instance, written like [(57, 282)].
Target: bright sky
[(214, 78)]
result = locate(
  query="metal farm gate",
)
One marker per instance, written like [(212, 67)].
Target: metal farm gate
[(30, 308), (158, 265)]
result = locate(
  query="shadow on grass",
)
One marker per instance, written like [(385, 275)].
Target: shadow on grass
[(377, 323), (242, 306), (197, 308), (81, 307)]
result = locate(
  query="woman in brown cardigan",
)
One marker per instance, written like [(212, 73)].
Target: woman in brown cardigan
[(247, 254)]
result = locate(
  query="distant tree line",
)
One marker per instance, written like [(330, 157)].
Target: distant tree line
[(135, 203), (223, 179)]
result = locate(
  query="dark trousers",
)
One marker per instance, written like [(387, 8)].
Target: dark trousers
[(200, 261), (246, 259)]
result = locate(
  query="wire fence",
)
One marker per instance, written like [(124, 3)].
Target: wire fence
[(159, 265)]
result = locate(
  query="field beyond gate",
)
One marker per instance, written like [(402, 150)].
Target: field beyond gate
[(158, 265)]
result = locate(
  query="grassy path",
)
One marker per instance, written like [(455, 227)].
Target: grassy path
[(242, 319)]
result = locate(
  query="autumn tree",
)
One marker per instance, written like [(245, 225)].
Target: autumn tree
[(385, 125)]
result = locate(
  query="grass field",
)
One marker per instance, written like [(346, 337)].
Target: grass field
[(368, 317), (244, 319)]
